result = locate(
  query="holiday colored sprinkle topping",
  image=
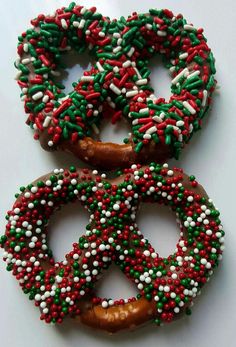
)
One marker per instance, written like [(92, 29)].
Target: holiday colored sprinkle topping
[(112, 235), (118, 84)]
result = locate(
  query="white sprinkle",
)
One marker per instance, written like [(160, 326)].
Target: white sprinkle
[(73, 181), (189, 27), (161, 33), (45, 99), (137, 72), (148, 280), (180, 123), (101, 34), (170, 172), (37, 96), (102, 247), (131, 52), (204, 99), (181, 74), (157, 119), (25, 47), (82, 23), (116, 35), (19, 73), (117, 49), (148, 26), (75, 256), (87, 78), (64, 23), (127, 63), (189, 107), (192, 74), (111, 302), (144, 110), (37, 297), (142, 82), (151, 130), (58, 279), (208, 265), (75, 24), (99, 66), (25, 61), (104, 304), (183, 55), (115, 89), (83, 10), (46, 122), (116, 207), (131, 93)]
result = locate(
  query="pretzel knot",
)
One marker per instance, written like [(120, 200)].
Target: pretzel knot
[(167, 286), (117, 85)]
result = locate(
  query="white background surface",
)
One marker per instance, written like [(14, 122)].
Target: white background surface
[(210, 156)]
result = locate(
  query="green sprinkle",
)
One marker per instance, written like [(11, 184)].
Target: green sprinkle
[(138, 147)]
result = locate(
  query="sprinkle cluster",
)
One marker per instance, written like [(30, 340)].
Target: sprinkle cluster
[(112, 235), (118, 84)]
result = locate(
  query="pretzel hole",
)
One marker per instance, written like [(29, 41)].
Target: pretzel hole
[(158, 225), (115, 133), (115, 285), (75, 64), (160, 77), (65, 227)]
